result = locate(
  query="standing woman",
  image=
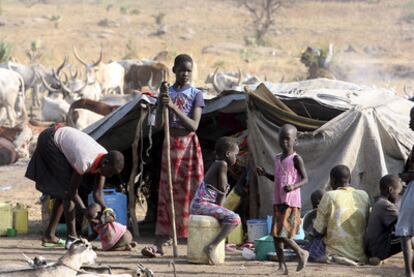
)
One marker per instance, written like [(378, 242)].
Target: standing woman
[(185, 104)]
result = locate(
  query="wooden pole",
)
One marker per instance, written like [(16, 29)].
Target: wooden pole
[(169, 178)]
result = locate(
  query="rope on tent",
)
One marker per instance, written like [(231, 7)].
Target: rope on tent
[(132, 197)]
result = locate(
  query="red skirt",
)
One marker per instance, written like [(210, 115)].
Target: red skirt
[(187, 171)]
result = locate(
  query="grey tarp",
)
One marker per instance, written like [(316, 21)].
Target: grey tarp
[(371, 136)]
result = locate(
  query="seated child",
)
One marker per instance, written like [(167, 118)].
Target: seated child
[(113, 235), (380, 241), (209, 197), (310, 216)]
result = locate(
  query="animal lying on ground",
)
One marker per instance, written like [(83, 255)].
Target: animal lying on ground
[(79, 253), (20, 136)]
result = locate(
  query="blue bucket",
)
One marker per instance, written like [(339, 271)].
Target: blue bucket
[(116, 201)]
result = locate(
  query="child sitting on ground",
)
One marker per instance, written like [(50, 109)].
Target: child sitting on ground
[(290, 175), (379, 240), (310, 216), (209, 197), (113, 235)]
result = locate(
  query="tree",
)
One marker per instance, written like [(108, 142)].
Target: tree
[(263, 13)]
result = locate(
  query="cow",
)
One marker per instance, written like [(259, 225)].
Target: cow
[(109, 76), (11, 88), (72, 89), (229, 80), (54, 108), (76, 110), (8, 154), (151, 75), (20, 136), (30, 74), (82, 118)]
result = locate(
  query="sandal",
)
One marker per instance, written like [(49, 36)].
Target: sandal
[(150, 252), (51, 244)]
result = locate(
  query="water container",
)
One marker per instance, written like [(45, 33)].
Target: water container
[(117, 201), (20, 219), (201, 231), (236, 236), (256, 228), (6, 216), (299, 236), (232, 202)]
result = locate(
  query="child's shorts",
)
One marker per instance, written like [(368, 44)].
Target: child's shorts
[(286, 221), (223, 215)]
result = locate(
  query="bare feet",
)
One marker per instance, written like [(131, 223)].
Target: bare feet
[(212, 258), (282, 269), (303, 260)]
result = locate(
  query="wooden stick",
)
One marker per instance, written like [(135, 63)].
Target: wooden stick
[(167, 148)]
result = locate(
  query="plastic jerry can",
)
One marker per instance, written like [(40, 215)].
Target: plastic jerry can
[(116, 201), (201, 231), (20, 218), (6, 216)]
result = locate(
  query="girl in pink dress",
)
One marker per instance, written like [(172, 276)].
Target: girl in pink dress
[(290, 175)]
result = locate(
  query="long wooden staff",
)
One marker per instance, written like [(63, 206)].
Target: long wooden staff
[(170, 186)]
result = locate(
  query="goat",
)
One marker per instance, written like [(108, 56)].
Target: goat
[(68, 265)]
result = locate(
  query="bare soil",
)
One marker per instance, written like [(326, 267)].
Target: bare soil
[(11, 249)]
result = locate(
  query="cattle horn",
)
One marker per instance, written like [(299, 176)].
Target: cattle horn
[(240, 77), (87, 82), (78, 57), (73, 76), (49, 88), (100, 58), (65, 60), (66, 91), (151, 87), (215, 81)]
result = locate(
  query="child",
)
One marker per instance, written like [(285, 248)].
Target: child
[(310, 216), (290, 176), (405, 223), (113, 235), (185, 104), (379, 240), (209, 197)]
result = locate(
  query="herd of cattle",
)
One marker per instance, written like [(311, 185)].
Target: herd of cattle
[(63, 95)]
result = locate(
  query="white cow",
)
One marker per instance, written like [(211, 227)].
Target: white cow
[(228, 80), (82, 118), (54, 109), (11, 88), (110, 76)]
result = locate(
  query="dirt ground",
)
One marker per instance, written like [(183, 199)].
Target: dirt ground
[(15, 188)]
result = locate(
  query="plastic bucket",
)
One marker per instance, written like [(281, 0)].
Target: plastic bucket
[(299, 236), (256, 228)]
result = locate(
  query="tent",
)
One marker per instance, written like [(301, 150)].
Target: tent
[(343, 123), (340, 123)]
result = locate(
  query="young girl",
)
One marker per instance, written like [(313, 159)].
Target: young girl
[(113, 235), (405, 223), (209, 197), (185, 104), (290, 176)]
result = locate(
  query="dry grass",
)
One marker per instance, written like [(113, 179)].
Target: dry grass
[(375, 26)]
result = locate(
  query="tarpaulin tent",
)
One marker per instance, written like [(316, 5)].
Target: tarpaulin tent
[(363, 128)]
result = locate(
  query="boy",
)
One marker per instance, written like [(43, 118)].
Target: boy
[(379, 240)]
